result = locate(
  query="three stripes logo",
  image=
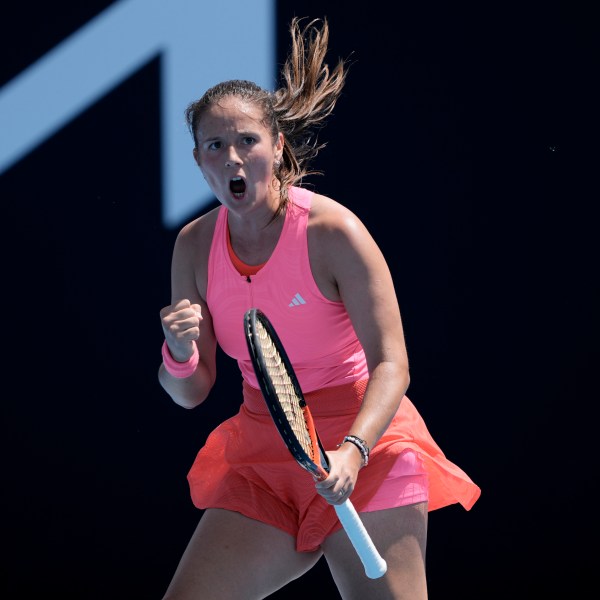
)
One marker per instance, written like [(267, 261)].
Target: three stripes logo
[(297, 300)]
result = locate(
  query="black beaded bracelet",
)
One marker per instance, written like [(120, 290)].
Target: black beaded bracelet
[(361, 445)]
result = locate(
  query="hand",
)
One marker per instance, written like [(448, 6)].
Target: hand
[(344, 465), (181, 326)]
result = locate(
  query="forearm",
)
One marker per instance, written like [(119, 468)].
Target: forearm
[(187, 392), (387, 386)]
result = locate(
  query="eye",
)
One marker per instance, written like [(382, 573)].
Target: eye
[(214, 145), (248, 140)]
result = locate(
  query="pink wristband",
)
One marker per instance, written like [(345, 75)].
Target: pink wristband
[(179, 369)]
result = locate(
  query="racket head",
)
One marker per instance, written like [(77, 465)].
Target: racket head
[(283, 395)]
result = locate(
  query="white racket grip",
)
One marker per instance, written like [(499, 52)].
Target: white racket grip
[(375, 565)]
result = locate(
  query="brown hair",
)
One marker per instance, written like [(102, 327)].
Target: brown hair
[(298, 109)]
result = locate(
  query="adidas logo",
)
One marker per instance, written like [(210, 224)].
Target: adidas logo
[(297, 300)]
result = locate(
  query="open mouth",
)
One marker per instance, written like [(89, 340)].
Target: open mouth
[(238, 187)]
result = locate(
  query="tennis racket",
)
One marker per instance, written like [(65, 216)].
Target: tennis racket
[(293, 419)]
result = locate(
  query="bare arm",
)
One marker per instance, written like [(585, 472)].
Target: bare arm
[(349, 262), (186, 321)]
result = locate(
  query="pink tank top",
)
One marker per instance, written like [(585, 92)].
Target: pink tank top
[(316, 332)]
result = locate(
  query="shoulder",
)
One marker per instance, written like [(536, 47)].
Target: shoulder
[(341, 249), (190, 255), (196, 236), (330, 222)]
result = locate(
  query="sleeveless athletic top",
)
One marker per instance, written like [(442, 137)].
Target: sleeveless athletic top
[(316, 332)]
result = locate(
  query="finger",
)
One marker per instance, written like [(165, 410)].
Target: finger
[(181, 304), (336, 497), (176, 307), (340, 497)]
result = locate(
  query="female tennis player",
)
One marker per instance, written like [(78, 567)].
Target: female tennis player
[(309, 264)]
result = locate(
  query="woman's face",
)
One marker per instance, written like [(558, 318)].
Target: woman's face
[(236, 153)]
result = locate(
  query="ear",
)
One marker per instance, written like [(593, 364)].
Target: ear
[(195, 152), (279, 146)]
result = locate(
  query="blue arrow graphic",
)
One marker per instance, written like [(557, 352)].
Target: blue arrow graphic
[(199, 42)]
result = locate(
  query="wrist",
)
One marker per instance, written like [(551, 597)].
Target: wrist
[(178, 369), (361, 445)]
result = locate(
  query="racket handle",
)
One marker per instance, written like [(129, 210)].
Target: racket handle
[(375, 565)]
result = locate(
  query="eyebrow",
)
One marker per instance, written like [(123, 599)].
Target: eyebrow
[(248, 133)]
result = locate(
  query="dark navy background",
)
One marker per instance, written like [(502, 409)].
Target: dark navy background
[(467, 141)]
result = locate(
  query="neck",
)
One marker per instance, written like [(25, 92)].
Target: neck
[(254, 245)]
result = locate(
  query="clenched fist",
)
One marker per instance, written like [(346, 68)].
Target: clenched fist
[(181, 325)]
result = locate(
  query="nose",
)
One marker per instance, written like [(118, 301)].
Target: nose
[(232, 159)]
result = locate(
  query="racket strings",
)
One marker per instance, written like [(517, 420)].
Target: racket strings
[(286, 391)]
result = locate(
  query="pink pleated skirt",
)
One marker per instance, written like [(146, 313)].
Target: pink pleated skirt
[(245, 466)]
